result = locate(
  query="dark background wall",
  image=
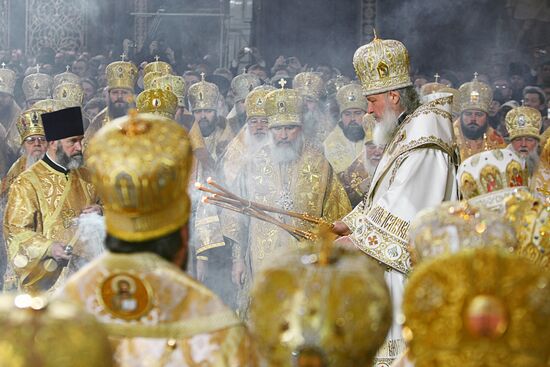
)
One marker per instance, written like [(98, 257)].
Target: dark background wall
[(313, 30)]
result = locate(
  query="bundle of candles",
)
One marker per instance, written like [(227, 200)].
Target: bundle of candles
[(225, 199)]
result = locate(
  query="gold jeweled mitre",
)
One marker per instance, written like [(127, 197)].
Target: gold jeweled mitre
[(310, 85), (32, 329), (158, 66), (70, 93), (65, 77), (523, 121), (316, 308), (477, 307), (475, 95), (530, 217), (284, 107), (160, 101), (203, 95), (243, 84), (454, 226), (491, 171), (37, 86), (173, 83), (382, 66), (255, 102), (121, 74), (351, 96), (140, 165), (29, 123)]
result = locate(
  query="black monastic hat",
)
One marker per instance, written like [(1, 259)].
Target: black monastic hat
[(63, 123)]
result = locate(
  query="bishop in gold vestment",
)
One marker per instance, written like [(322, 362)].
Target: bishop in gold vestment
[(288, 174), (155, 314), (44, 203), (121, 78)]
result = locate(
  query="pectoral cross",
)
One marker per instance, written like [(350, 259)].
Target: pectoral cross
[(67, 68), (157, 58), (123, 57), (436, 76), (475, 75), (202, 76), (282, 83), (37, 68), (3, 65)]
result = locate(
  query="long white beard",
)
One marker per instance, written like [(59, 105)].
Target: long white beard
[(254, 143), (32, 159), (283, 154), (385, 127)]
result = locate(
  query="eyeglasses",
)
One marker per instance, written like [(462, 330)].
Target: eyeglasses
[(34, 139)]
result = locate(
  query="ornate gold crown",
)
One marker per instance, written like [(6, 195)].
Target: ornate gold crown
[(32, 328), (382, 66), (304, 310), (255, 102), (351, 96), (65, 77), (70, 93), (478, 307), (334, 84), (161, 67), (530, 218), (523, 121), (149, 79), (455, 108), (37, 86), (173, 83), (431, 88), (30, 123), (243, 84), (310, 85), (491, 171), (475, 95), (284, 107), (161, 101), (7, 80), (121, 74), (50, 105), (141, 165), (203, 96), (453, 226)]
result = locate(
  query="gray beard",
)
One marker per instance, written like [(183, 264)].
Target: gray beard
[(69, 163), (532, 162), (254, 143), (30, 158), (384, 129), (285, 154)]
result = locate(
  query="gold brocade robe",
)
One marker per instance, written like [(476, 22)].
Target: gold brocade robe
[(307, 185), (207, 153), (42, 206), (15, 170), (356, 178), (491, 140), (340, 151), (167, 318)]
